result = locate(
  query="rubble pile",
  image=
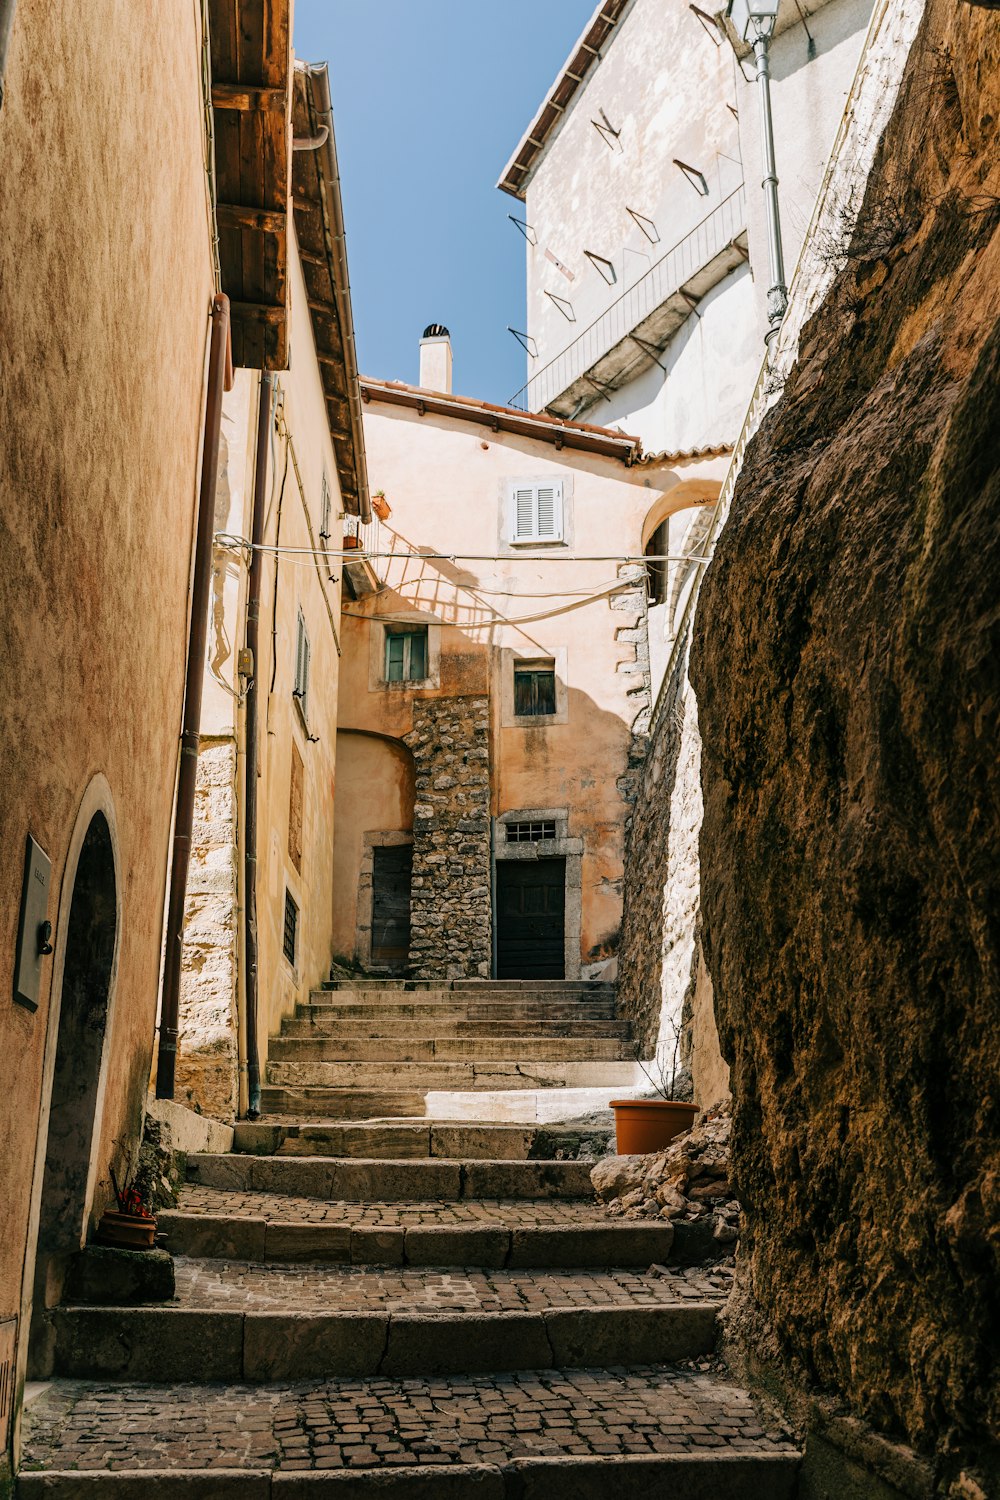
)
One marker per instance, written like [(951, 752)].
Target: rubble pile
[(687, 1181)]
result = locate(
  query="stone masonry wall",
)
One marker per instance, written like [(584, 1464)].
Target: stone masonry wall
[(450, 897), (208, 1056), (845, 658)]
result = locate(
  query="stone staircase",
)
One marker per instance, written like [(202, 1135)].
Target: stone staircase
[(427, 1307), (411, 1047)]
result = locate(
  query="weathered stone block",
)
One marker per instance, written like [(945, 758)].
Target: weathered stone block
[(148, 1344), (630, 1335), (113, 1277), (215, 1236), (464, 1343), (478, 1245), (307, 1242), (312, 1346)]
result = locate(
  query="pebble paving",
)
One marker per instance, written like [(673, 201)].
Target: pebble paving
[(251, 1286), (373, 1423)]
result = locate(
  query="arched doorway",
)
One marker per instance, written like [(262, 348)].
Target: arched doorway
[(87, 981)]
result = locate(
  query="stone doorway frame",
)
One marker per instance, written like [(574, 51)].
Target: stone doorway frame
[(366, 888), (97, 799), (561, 847)]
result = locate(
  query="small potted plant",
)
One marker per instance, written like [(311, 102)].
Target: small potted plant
[(132, 1224), (646, 1125), (381, 506)]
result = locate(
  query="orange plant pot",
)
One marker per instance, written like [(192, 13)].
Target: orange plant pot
[(128, 1231), (643, 1126)]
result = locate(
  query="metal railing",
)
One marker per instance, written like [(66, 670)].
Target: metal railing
[(697, 248)]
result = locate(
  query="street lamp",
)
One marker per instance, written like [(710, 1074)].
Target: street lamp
[(754, 22)]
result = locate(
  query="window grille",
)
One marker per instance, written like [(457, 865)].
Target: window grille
[(530, 833), (291, 931), (303, 656), (534, 688), (406, 655), (537, 513)]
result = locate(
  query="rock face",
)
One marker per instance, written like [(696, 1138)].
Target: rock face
[(846, 664), (450, 892)]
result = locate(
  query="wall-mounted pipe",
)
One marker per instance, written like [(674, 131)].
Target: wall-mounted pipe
[(250, 946), (166, 1062)]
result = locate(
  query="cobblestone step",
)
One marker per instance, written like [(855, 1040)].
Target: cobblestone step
[(234, 1321), (503, 1232), (474, 1050), (411, 1138), (318, 1021), (543, 1435), (525, 1073), (385, 1180)]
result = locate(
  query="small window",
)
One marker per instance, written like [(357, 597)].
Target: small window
[(303, 654), (291, 933), (537, 512), (530, 833), (324, 527), (534, 688), (406, 655)]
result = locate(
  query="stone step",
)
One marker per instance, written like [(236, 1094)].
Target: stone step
[(324, 1104), (312, 1021), (359, 1180), (314, 1049), (223, 1222), (484, 987), (524, 1073), (605, 1435), (450, 1011), (234, 1320), (413, 1139), (492, 1245)]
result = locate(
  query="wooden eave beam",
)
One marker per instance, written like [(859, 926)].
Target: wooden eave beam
[(257, 312), (240, 216), (242, 97)]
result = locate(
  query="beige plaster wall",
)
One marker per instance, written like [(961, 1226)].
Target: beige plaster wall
[(446, 482), (105, 269)]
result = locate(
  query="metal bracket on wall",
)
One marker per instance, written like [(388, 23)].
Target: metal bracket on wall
[(603, 266), (695, 177), (564, 306), (526, 342), (649, 349), (526, 229), (645, 223)]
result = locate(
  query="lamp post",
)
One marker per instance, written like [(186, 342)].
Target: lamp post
[(754, 21)]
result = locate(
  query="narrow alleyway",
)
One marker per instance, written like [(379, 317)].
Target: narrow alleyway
[(385, 1294)]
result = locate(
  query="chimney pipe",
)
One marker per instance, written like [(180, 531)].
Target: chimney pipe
[(435, 359)]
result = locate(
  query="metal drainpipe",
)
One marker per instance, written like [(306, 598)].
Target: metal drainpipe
[(7, 8), (252, 743), (777, 292), (218, 358)]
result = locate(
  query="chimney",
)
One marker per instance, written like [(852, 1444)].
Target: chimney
[(435, 358)]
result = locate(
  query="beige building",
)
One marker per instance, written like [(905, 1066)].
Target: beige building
[(647, 272), (157, 260), (494, 686), (311, 472)]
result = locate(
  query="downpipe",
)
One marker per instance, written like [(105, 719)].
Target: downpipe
[(250, 945)]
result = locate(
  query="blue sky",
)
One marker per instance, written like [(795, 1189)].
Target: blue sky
[(430, 98)]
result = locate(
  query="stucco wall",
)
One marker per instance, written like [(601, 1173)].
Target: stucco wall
[(105, 268), (664, 84)]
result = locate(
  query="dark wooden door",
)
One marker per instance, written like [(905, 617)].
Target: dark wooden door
[(531, 918), (391, 876)]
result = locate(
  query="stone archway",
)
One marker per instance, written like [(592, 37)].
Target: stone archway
[(88, 971)]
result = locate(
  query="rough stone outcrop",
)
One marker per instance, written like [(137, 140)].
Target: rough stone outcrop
[(450, 892), (846, 662), (688, 1181)]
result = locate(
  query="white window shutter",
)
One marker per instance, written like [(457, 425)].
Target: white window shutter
[(537, 512), (306, 660), (524, 513)]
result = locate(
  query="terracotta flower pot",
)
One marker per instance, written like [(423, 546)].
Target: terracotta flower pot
[(128, 1231), (352, 543), (381, 507), (646, 1125)]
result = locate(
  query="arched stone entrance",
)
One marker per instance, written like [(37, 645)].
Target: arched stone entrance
[(84, 1002)]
